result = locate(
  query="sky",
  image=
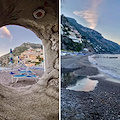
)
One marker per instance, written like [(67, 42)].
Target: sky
[(100, 15), (12, 36)]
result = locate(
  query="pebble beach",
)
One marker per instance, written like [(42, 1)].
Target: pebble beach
[(102, 103)]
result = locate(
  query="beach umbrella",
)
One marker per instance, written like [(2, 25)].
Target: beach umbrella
[(12, 73), (18, 59), (11, 58)]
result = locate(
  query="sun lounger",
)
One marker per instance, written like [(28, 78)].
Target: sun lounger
[(38, 68), (26, 72), (23, 72), (25, 76)]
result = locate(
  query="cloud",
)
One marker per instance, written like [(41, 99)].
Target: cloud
[(5, 33), (90, 15)]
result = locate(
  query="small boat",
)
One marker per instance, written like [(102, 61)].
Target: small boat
[(113, 57)]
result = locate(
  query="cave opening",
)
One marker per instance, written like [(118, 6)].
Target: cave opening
[(24, 65), (41, 100)]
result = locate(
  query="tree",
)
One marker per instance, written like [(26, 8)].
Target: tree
[(83, 37), (40, 59), (84, 41)]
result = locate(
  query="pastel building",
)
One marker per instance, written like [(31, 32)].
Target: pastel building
[(29, 57)]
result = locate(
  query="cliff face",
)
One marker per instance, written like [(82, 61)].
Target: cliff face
[(71, 38), (99, 43), (68, 44)]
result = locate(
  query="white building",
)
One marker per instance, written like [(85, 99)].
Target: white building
[(74, 38)]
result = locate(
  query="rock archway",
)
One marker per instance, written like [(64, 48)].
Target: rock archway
[(39, 102)]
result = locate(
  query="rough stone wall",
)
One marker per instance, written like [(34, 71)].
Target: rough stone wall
[(40, 101)]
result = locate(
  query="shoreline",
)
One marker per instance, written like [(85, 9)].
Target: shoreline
[(80, 65), (101, 103)]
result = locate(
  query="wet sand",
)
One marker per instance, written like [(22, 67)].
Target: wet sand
[(103, 103), (79, 65), (6, 79)]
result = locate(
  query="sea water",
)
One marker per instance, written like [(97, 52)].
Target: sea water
[(84, 84), (4, 68), (109, 64), (77, 83)]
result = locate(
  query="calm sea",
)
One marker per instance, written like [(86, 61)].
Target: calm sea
[(108, 64), (4, 68)]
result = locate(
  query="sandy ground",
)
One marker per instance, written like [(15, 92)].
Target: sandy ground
[(31, 102), (6, 79), (103, 103)]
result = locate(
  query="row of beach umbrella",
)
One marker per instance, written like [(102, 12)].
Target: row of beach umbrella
[(11, 59)]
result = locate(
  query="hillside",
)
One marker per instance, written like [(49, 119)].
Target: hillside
[(18, 50), (97, 41), (68, 44)]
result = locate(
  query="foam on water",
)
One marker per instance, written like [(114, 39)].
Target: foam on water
[(106, 65), (110, 73), (92, 60)]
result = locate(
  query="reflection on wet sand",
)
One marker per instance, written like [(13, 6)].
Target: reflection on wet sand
[(84, 84), (79, 83)]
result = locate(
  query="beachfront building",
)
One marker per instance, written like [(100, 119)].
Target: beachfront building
[(85, 50), (71, 32), (61, 30), (75, 36), (30, 57)]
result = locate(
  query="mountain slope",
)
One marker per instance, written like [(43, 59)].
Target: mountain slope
[(97, 41), (68, 44), (18, 50), (100, 44)]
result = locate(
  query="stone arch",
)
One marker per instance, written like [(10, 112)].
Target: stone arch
[(22, 104)]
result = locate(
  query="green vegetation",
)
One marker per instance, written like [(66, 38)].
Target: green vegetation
[(68, 44), (25, 46), (18, 50), (39, 58), (97, 41), (37, 63), (4, 60)]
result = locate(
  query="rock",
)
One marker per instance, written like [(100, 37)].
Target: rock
[(35, 102), (79, 116)]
